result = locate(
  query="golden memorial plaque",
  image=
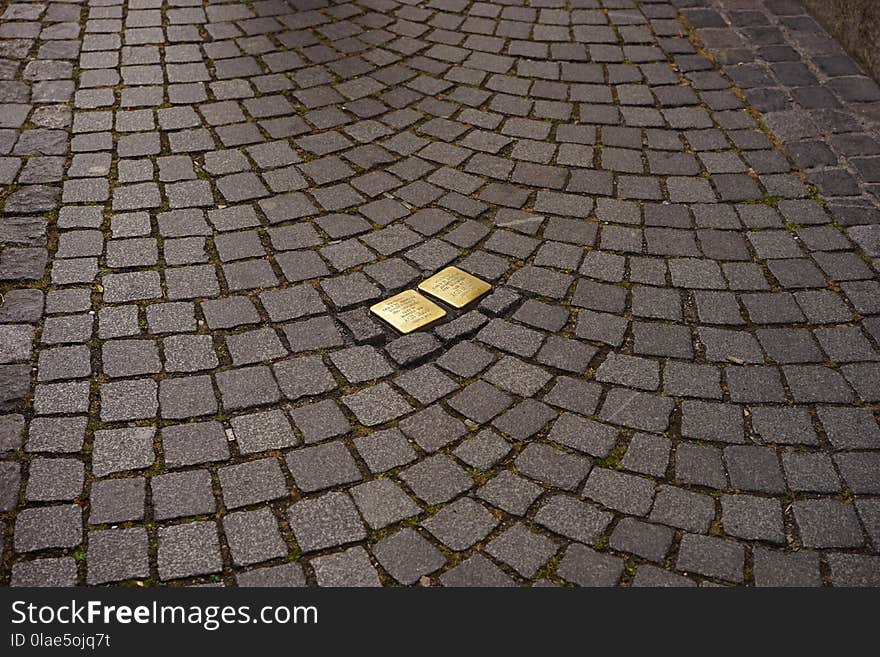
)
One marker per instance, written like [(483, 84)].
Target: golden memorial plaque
[(455, 287), (408, 311)]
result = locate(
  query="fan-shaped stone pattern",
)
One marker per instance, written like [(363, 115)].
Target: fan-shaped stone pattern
[(672, 381)]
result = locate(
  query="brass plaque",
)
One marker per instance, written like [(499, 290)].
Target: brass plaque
[(408, 311), (455, 287)]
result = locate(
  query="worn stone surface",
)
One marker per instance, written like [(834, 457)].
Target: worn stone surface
[(672, 382)]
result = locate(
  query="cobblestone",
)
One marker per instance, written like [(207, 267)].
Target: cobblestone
[(180, 494), (407, 556), (827, 523), (187, 550), (713, 557), (461, 524), (253, 536), (325, 521), (117, 500), (117, 554), (585, 567), (349, 568), (681, 334)]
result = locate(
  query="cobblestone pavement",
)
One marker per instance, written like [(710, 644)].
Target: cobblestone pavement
[(674, 382)]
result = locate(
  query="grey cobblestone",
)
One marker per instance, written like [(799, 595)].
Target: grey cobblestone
[(349, 568), (117, 450), (510, 492), (681, 334), (620, 491), (407, 556), (476, 571), (117, 500), (180, 494), (320, 420), (522, 550), (644, 539), (683, 509), (585, 567), (54, 480), (189, 549), (190, 444), (253, 536), (284, 575), (53, 571), (827, 523), (326, 521), (573, 519), (384, 450), (853, 570), (117, 554), (48, 527), (713, 557), (252, 482), (461, 524), (774, 568), (322, 466), (553, 466)]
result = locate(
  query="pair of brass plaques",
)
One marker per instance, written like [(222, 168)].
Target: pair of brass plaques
[(409, 310)]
